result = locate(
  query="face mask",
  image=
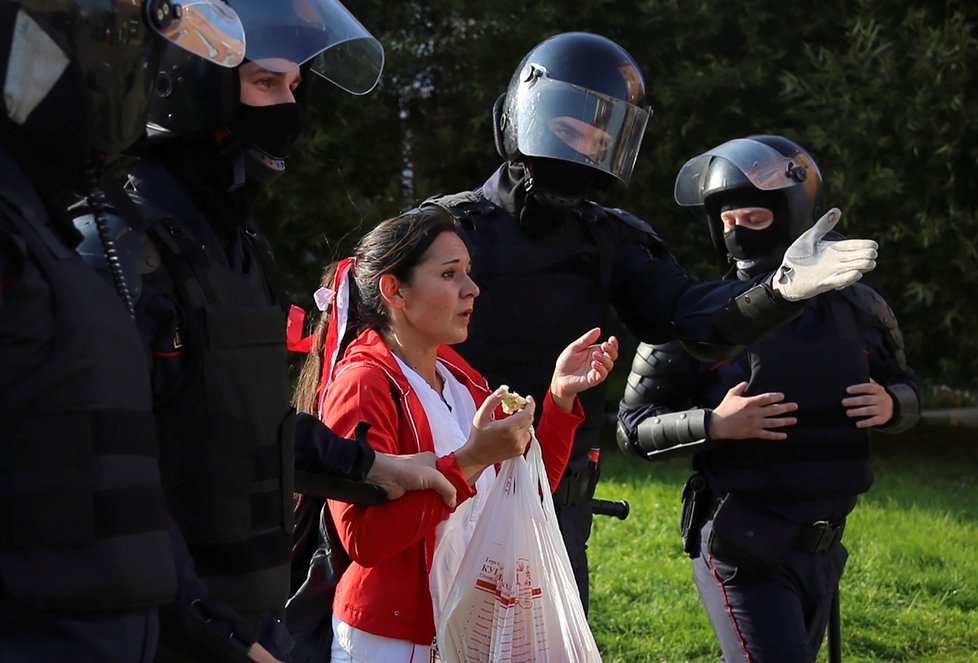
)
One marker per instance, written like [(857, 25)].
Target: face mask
[(559, 183), (749, 244), (273, 129)]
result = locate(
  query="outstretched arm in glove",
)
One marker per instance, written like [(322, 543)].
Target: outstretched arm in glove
[(813, 265)]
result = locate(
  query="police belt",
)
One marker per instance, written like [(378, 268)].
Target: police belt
[(816, 537), (573, 488)]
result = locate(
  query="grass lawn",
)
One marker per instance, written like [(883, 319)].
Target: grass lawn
[(909, 593)]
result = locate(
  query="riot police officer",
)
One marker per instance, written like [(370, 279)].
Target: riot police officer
[(213, 312), (551, 262), (780, 433), (85, 550)]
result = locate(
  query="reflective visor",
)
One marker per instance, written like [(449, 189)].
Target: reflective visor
[(559, 120), (766, 168), (282, 36), (207, 28)]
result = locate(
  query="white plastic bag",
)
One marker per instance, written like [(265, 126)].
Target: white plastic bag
[(514, 599)]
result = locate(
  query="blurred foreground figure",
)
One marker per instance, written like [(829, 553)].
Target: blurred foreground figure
[(85, 553)]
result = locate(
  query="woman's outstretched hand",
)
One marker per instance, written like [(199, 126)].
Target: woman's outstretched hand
[(582, 365)]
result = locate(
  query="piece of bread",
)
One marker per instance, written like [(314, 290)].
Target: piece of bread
[(512, 402)]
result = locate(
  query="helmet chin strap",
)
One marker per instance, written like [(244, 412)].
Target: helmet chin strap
[(751, 267), (233, 151), (260, 138), (260, 166), (759, 265)]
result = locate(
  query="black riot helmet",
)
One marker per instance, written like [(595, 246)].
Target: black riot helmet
[(761, 170), (195, 99), (77, 77), (77, 74), (576, 98)]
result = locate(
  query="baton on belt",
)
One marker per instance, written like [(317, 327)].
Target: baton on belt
[(616, 508)]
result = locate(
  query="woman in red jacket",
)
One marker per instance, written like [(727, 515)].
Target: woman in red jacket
[(381, 355)]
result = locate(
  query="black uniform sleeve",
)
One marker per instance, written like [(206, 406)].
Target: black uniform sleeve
[(659, 302), (320, 450), (656, 417)]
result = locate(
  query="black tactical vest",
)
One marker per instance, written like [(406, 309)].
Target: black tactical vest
[(83, 522), (812, 361), (226, 436), (538, 294)]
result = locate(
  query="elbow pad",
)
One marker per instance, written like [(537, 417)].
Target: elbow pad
[(626, 441), (672, 432)]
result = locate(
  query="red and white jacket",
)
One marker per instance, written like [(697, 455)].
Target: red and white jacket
[(385, 590)]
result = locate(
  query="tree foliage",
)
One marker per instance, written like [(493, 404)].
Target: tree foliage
[(882, 92)]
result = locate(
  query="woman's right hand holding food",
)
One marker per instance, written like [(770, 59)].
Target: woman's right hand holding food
[(491, 440)]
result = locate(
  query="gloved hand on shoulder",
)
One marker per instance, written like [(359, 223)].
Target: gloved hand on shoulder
[(813, 265)]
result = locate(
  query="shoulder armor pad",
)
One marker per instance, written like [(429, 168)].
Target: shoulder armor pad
[(629, 219), (662, 374), (462, 204), (646, 235), (871, 303)]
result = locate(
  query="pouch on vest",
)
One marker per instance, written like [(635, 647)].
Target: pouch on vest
[(749, 537)]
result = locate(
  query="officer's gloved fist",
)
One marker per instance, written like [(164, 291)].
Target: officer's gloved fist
[(813, 265)]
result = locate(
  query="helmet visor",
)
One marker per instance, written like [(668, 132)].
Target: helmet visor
[(207, 28), (559, 120), (766, 168), (282, 36)]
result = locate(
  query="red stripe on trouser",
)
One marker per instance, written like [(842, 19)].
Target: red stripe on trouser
[(726, 602)]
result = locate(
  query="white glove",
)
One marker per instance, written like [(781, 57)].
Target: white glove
[(812, 265)]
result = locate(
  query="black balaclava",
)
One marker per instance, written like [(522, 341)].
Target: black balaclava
[(266, 134), (543, 198), (756, 251), (273, 129)]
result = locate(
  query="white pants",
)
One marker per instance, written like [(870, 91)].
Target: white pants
[(351, 645)]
